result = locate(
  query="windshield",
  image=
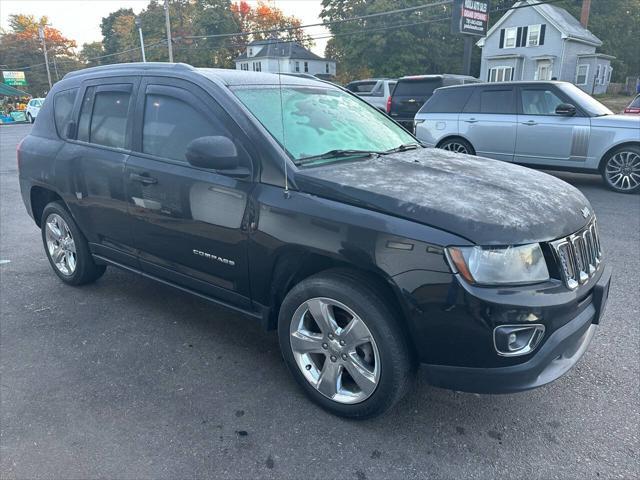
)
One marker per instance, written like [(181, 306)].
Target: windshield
[(593, 107), (318, 120)]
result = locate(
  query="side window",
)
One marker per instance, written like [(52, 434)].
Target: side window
[(104, 116), (497, 101), (170, 124), (539, 102), (448, 101), (378, 91), (62, 110)]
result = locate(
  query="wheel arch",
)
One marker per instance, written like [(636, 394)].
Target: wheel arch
[(295, 266), (451, 137), (40, 197), (628, 143)]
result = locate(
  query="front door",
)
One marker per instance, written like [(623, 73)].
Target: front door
[(189, 223), (545, 138), (489, 122)]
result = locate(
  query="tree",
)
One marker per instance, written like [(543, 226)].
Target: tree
[(21, 48), (90, 52)]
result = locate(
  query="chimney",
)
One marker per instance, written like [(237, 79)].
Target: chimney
[(584, 14)]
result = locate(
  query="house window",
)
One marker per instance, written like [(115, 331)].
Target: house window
[(326, 68), (581, 74), (533, 39), (306, 67), (609, 72), (501, 74), (510, 35), (543, 72), (251, 52), (597, 76), (257, 66), (297, 66), (244, 66)]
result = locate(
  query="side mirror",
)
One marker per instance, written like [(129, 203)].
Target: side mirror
[(566, 109), (214, 153)]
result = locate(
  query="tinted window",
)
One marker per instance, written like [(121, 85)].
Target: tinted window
[(361, 87), (103, 117), (417, 88), (539, 102), (500, 101), (62, 109), (447, 101), (635, 103), (171, 124)]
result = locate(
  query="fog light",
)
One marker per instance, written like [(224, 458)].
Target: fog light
[(514, 340)]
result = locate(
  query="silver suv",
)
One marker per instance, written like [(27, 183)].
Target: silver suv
[(552, 125)]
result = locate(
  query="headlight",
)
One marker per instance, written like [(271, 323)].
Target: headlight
[(500, 265)]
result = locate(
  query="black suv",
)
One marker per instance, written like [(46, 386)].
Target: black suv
[(410, 93), (295, 202)]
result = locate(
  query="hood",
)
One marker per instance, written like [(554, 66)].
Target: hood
[(617, 121), (485, 201)]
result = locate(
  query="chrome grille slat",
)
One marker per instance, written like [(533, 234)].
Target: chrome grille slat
[(578, 255)]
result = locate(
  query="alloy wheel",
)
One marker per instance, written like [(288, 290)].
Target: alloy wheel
[(335, 350), (455, 147), (623, 170), (60, 244)]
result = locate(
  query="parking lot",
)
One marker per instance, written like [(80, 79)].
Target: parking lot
[(127, 378)]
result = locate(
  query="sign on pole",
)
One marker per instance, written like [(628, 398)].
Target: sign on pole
[(470, 17), (14, 78)]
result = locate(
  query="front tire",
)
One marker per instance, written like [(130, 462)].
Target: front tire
[(457, 145), (344, 346), (620, 169), (66, 247)]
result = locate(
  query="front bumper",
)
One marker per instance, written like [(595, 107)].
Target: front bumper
[(557, 355)]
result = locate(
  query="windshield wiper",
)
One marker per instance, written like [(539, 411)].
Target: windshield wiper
[(404, 148), (335, 154)]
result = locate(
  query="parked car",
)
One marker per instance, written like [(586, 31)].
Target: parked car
[(374, 91), (634, 106), (288, 200), (33, 108), (552, 125), (411, 92)]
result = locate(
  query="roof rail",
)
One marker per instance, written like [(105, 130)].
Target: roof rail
[(125, 66)]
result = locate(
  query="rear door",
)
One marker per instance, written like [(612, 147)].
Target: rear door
[(94, 158), (489, 121), (408, 97), (438, 118), (189, 224), (545, 138)]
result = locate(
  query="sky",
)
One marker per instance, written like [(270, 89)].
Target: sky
[(80, 19)]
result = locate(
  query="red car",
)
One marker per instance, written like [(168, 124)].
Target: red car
[(634, 106)]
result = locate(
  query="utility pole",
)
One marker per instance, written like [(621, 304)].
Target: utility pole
[(138, 22), (168, 23), (46, 58)]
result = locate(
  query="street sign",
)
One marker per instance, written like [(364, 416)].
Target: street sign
[(14, 78), (470, 17)]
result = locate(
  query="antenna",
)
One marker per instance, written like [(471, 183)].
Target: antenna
[(284, 142)]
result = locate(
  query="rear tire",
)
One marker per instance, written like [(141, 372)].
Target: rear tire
[(30, 118), (350, 355), (66, 247), (620, 169), (457, 145)]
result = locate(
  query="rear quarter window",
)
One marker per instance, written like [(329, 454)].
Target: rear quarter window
[(447, 101), (63, 109)]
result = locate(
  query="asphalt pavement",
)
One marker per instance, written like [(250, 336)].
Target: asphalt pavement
[(129, 379)]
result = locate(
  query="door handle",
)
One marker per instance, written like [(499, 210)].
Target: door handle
[(472, 120), (144, 179), (530, 122)]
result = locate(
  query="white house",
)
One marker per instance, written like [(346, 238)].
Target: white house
[(544, 42), (275, 56)]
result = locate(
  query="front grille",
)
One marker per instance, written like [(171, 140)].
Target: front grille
[(579, 255)]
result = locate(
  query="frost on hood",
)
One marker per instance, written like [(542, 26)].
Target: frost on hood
[(485, 200)]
